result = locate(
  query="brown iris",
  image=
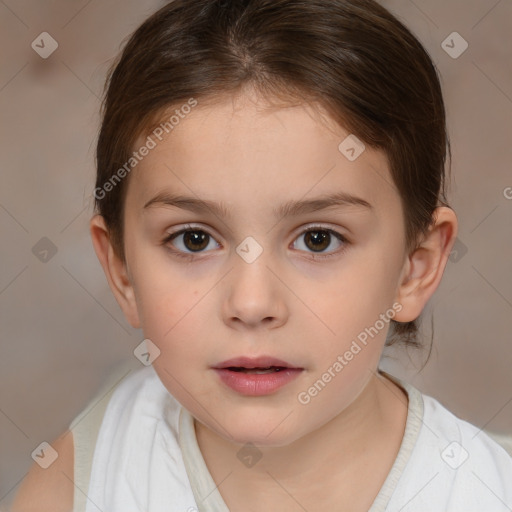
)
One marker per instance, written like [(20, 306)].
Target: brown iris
[(319, 239), (195, 240)]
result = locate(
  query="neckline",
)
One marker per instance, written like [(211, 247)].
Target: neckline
[(414, 421), (209, 499)]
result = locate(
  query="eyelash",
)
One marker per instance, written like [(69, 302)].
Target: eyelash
[(315, 256)]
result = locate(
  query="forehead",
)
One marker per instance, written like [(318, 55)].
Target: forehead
[(244, 151)]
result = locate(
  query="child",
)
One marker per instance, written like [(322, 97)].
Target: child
[(271, 213)]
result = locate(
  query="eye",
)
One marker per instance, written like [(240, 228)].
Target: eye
[(186, 242), (190, 240), (317, 239)]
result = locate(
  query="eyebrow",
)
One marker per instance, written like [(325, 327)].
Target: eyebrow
[(288, 209)]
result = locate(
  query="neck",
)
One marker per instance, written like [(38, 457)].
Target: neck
[(371, 427)]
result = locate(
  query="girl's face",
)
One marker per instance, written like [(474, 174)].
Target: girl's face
[(264, 268)]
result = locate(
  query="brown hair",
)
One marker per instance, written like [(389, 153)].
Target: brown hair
[(352, 57)]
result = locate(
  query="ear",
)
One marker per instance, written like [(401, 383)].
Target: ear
[(115, 270), (424, 268)]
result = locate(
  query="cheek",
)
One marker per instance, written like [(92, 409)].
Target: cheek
[(357, 293), (171, 309), (357, 306)]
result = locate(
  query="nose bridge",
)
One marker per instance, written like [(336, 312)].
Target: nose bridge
[(254, 293)]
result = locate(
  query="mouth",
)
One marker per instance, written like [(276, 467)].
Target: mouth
[(262, 364), (256, 376), (256, 371)]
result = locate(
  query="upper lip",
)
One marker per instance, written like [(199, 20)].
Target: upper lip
[(254, 362)]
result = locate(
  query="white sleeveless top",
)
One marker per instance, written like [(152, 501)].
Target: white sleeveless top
[(146, 458)]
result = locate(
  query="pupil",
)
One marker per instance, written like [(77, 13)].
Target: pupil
[(196, 237), (320, 240)]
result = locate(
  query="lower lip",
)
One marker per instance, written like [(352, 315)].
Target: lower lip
[(253, 384)]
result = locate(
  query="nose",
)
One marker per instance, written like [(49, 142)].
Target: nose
[(254, 296)]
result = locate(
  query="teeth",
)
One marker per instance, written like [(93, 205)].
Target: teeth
[(260, 371)]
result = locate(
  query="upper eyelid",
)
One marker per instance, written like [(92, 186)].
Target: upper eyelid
[(313, 225), (308, 227)]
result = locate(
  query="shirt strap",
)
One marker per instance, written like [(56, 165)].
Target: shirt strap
[(85, 428)]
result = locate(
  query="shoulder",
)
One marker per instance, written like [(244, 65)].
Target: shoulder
[(474, 462), (50, 489), (453, 465), (139, 436), (448, 426)]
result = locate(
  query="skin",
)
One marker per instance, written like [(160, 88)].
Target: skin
[(286, 304), (50, 489)]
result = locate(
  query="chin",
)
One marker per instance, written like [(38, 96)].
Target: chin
[(258, 429)]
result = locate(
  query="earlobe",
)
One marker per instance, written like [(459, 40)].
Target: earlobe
[(115, 269), (424, 268)]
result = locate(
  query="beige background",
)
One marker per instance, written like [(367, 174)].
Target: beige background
[(63, 335)]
